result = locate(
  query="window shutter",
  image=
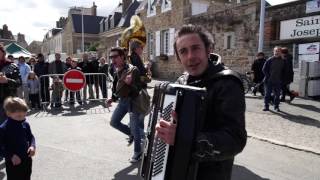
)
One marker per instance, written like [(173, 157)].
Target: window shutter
[(157, 43), (225, 42), (233, 41), (171, 41)]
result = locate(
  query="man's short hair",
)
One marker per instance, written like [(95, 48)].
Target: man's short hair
[(260, 54), (204, 35), (134, 45), (284, 50), (15, 104), (119, 50)]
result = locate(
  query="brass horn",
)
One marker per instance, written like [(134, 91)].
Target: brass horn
[(136, 32)]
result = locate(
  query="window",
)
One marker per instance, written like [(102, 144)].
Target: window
[(151, 8), (164, 42), (229, 40), (150, 45), (164, 45), (166, 5)]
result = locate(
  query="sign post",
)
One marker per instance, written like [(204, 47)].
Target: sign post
[(74, 80)]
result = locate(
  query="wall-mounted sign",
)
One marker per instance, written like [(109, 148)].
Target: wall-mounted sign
[(309, 51), (300, 28), (313, 6), (309, 48)]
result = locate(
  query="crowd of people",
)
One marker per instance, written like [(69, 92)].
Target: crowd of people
[(40, 82), (273, 77)]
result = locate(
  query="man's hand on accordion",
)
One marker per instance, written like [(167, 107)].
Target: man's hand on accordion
[(166, 130)]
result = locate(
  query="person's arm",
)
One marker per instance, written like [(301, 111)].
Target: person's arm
[(136, 84), (229, 135), (266, 68), (31, 139)]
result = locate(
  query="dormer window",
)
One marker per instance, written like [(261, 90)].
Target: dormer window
[(166, 5), (151, 8)]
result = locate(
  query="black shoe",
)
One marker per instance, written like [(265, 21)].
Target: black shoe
[(277, 109), (80, 102), (130, 140), (265, 109), (282, 100), (292, 98)]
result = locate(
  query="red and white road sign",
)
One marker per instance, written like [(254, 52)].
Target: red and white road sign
[(74, 80)]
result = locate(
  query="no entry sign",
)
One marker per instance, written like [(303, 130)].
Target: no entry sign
[(74, 80)]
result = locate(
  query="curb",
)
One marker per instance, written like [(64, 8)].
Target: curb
[(288, 145)]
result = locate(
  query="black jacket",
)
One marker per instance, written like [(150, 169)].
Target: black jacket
[(137, 61), (257, 70), (288, 74), (16, 137), (11, 71), (224, 125)]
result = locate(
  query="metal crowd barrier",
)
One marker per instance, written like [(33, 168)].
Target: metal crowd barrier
[(52, 91)]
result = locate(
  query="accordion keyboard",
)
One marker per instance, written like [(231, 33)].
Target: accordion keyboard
[(161, 149)]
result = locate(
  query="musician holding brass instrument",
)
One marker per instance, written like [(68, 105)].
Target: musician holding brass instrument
[(223, 133), (127, 87)]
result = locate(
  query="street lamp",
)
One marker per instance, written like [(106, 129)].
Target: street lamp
[(261, 28), (82, 30)]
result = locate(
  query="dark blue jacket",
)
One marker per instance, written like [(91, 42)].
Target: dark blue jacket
[(16, 138)]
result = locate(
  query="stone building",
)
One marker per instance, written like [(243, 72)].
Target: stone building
[(234, 27), (114, 24), (67, 36), (233, 24), (296, 25), (161, 19), (289, 25), (6, 37), (34, 47), (72, 33)]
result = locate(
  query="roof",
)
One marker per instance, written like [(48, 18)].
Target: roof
[(90, 23), (16, 50), (125, 20)]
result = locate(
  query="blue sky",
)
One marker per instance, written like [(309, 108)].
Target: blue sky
[(33, 17)]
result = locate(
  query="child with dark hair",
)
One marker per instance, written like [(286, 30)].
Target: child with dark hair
[(17, 140), (57, 90)]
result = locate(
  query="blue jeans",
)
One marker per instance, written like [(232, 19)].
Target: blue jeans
[(269, 88), (136, 120), (121, 110)]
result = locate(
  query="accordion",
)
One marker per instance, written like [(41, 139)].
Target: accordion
[(161, 161)]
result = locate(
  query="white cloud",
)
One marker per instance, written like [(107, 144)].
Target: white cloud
[(34, 18)]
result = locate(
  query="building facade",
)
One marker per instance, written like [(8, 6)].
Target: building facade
[(114, 24), (296, 25)]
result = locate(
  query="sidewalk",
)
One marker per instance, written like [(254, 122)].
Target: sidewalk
[(296, 126)]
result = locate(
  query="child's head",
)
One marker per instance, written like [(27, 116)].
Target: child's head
[(56, 79), (32, 75), (16, 108)]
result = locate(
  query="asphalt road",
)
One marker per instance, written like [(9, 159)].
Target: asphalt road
[(80, 145)]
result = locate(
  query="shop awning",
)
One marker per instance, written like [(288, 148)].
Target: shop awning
[(16, 50)]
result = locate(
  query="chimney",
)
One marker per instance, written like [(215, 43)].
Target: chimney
[(125, 5), (94, 10)]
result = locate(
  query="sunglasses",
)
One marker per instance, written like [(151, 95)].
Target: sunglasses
[(114, 56)]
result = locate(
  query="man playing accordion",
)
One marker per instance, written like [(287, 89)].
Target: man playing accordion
[(223, 134)]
